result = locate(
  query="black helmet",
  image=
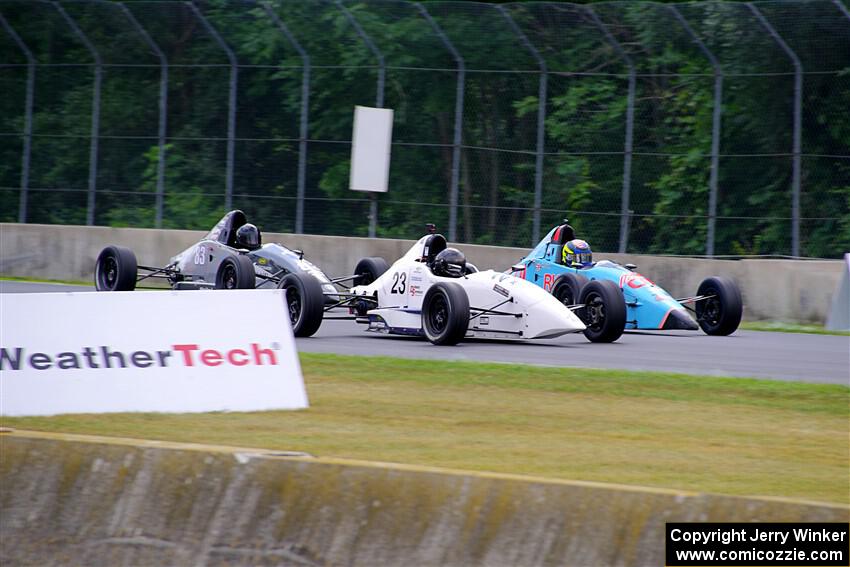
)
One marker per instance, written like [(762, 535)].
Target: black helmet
[(248, 236), (450, 263)]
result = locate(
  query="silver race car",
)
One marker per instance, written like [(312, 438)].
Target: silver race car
[(232, 256)]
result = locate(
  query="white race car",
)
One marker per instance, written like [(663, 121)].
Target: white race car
[(433, 291)]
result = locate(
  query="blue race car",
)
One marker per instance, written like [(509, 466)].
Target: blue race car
[(563, 264)]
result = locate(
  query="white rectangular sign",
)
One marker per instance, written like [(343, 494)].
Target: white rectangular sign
[(147, 351), (371, 143)]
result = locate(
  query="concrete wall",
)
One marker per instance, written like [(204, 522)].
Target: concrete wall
[(778, 290), (75, 500)]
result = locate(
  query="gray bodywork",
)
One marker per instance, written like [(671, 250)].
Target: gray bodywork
[(198, 265)]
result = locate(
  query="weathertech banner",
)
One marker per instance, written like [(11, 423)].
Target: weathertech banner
[(147, 351), (757, 544)]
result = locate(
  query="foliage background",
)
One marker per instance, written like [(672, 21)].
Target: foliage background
[(583, 157)]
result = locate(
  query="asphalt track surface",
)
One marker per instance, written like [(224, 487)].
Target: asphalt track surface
[(783, 356)]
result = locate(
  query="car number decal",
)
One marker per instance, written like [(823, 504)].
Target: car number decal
[(200, 255), (399, 283)]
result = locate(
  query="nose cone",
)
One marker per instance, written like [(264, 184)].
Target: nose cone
[(678, 319), (549, 318)]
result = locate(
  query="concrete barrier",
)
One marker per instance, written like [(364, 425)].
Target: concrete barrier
[(838, 318), (777, 290), (70, 499)]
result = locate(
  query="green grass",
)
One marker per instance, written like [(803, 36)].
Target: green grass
[(723, 435), (780, 327), (37, 280), (148, 284)]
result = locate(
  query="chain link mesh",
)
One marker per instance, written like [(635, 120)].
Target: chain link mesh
[(164, 113)]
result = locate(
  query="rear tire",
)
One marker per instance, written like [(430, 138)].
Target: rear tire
[(567, 288), (369, 269), (604, 312), (719, 315), (236, 272), (304, 302), (116, 269), (445, 313)]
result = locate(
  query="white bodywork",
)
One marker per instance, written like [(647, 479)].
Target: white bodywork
[(501, 305)]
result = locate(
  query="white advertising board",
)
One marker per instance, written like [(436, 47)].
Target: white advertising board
[(147, 351), (371, 144)]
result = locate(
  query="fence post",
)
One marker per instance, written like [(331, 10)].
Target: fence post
[(163, 111), (458, 127), (95, 111), (843, 8), (625, 212), (28, 104), (715, 130), (304, 120), (231, 110), (379, 102), (541, 123), (798, 127)]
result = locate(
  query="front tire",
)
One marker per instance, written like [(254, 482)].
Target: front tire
[(567, 288), (116, 269), (721, 314), (445, 313), (604, 311), (305, 303), (236, 272), (369, 269)]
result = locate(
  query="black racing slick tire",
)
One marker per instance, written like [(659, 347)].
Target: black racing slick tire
[(304, 301), (116, 269), (369, 269), (604, 311), (445, 313), (567, 288), (721, 313), (236, 272)]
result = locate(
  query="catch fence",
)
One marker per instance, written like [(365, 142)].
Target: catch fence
[(705, 128)]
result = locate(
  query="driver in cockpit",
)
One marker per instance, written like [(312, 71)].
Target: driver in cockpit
[(450, 263), (577, 254)]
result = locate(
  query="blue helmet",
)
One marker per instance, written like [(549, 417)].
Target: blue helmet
[(577, 253)]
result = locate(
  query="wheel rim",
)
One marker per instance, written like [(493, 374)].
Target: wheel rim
[(594, 311), (711, 309), (109, 275), (438, 314), (564, 295), (293, 304), (228, 277)]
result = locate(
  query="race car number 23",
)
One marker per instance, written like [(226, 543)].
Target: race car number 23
[(399, 283)]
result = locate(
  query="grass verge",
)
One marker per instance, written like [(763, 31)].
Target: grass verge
[(790, 328), (725, 435), (37, 280)]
